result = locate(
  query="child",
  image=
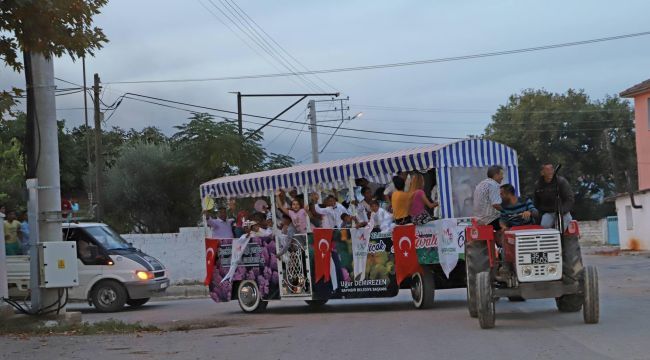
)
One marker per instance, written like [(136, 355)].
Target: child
[(297, 214), (380, 217)]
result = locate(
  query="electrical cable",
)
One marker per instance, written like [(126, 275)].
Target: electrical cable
[(238, 11), (232, 120), (296, 122), (243, 40), (399, 64), (282, 48)]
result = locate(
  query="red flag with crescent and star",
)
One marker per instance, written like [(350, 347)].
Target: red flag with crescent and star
[(322, 253), (211, 251), (406, 257)]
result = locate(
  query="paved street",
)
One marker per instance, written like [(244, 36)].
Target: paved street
[(377, 329)]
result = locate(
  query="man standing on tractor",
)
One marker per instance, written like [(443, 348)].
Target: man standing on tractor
[(546, 196), (487, 198)]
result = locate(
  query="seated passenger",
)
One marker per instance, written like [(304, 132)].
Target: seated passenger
[(516, 211)]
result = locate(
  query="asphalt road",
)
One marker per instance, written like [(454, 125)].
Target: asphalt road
[(375, 329)]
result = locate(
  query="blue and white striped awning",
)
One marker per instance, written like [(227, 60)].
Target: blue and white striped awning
[(377, 168)]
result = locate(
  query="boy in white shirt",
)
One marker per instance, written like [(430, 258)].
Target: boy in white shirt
[(381, 218), (332, 213)]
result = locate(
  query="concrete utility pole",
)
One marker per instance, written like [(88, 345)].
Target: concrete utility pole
[(4, 290), (99, 161), (47, 169), (314, 131), (240, 124)]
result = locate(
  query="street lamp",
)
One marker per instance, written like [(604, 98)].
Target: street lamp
[(356, 116)]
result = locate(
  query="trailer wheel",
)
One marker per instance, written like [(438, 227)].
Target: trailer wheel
[(591, 308), (485, 300), (423, 289), (476, 260), (250, 297)]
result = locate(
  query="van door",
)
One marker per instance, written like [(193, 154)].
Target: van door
[(91, 261)]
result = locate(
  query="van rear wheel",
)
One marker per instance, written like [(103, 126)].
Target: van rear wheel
[(108, 296)]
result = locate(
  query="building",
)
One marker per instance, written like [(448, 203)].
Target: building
[(633, 209)]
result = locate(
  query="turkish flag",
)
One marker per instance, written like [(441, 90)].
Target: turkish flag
[(211, 251), (322, 253), (406, 257)]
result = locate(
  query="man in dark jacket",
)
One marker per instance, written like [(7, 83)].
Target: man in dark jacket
[(546, 196)]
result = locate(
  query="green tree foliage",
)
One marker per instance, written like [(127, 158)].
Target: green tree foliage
[(146, 190), (47, 27), (593, 140), (12, 183)]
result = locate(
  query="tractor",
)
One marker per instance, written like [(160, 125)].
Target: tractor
[(529, 262)]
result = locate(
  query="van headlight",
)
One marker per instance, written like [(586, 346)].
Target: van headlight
[(144, 275), (527, 270), (551, 269)]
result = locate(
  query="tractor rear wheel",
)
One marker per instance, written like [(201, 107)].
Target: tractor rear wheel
[(476, 260), (572, 272), (485, 300), (591, 308)]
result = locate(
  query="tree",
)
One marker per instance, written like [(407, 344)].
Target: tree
[(593, 140), (147, 190), (47, 27)]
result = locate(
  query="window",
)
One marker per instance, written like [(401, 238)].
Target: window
[(629, 222)]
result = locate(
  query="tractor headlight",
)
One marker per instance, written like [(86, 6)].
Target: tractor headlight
[(551, 269), (527, 271)]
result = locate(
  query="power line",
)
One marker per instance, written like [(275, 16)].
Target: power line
[(243, 40), (477, 111), (241, 27), (296, 122), (282, 48), (399, 64), (277, 126), (238, 15)]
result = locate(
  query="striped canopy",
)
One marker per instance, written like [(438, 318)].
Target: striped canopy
[(377, 168)]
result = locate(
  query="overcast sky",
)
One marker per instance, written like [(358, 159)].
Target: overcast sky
[(164, 39)]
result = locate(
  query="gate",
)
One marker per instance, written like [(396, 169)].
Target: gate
[(612, 230)]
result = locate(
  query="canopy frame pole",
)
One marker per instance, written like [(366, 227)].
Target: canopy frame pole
[(274, 218), (306, 196)]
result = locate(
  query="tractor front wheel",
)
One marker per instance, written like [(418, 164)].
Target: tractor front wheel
[(591, 308), (485, 300), (476, 260)]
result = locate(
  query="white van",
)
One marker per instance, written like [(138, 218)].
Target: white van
[(112, 273)]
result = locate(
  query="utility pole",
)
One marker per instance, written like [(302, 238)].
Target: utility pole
[(99, 161), (240, 123), (47, 171), (314, 131), (87, 134)]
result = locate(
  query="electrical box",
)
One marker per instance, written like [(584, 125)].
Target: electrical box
[(58, 264)]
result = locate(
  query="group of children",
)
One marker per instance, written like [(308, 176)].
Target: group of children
[(400, 202)]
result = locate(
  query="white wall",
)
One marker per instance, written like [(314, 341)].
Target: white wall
[(182, 253), (640, 222)]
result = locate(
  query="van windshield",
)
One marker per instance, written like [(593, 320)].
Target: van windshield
[(108, 238)]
